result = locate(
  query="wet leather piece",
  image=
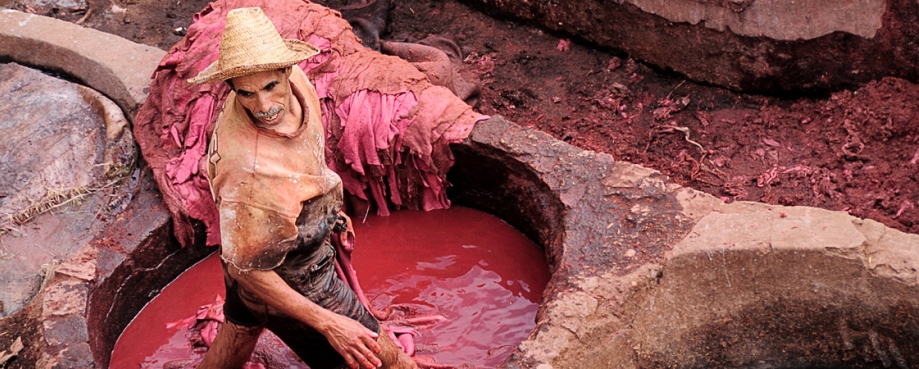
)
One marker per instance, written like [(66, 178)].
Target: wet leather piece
[(267, 183)]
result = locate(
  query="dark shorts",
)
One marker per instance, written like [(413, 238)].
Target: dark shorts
[(235, 311)]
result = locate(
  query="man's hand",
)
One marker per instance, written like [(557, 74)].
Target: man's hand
[(353, 341)]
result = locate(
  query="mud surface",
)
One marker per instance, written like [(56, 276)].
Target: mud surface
[(855, 151)]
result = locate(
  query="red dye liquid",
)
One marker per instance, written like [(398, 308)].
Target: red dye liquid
[(481, 274), (146, 342)]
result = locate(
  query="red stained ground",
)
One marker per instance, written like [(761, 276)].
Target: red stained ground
[(856, 150)]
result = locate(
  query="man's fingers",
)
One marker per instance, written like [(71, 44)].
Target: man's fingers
[(372, 358), (355, 343), (373, 345), (350, 361), (360, 355), (364, 358), (368, 350)]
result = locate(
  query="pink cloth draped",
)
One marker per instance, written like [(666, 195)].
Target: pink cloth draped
[(373, 122)]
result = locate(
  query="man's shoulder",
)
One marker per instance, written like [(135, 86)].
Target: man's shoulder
[(308, 93), (299, 79)]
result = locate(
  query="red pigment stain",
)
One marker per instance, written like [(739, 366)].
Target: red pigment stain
[(480, 273), (146, 342)]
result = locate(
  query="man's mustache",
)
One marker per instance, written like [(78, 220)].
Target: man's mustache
[(273, 111)]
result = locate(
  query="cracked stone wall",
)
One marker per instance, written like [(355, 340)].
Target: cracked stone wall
[(750, 284)]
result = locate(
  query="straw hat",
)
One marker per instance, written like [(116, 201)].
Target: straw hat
[(251, 44)]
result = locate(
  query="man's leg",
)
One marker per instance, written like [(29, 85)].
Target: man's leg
[(392, 357), (232, 347)]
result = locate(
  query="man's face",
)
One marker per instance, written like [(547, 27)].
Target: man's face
[(265, 95)]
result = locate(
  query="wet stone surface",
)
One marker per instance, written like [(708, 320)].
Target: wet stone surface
[(616, 216), (52, 137), (62, 159)]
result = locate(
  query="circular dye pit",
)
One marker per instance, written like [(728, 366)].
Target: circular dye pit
[(479, 276)]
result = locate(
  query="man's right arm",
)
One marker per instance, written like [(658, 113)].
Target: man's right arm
[(354, 342)]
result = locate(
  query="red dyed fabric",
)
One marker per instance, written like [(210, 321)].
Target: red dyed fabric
[(206, 321), (402, 337), (388, 129)]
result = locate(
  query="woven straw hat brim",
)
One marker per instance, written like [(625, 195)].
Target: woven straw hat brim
[(297, 51)]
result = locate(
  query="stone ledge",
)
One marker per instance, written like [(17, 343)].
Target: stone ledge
[(118, 68), (121, 70), (776, 19), (743, 268)]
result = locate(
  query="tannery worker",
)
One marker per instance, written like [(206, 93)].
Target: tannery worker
[(278, 203)]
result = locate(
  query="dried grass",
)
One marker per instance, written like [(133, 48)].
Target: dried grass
[(58, 200)]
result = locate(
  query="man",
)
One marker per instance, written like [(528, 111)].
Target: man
[(278, 204)]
